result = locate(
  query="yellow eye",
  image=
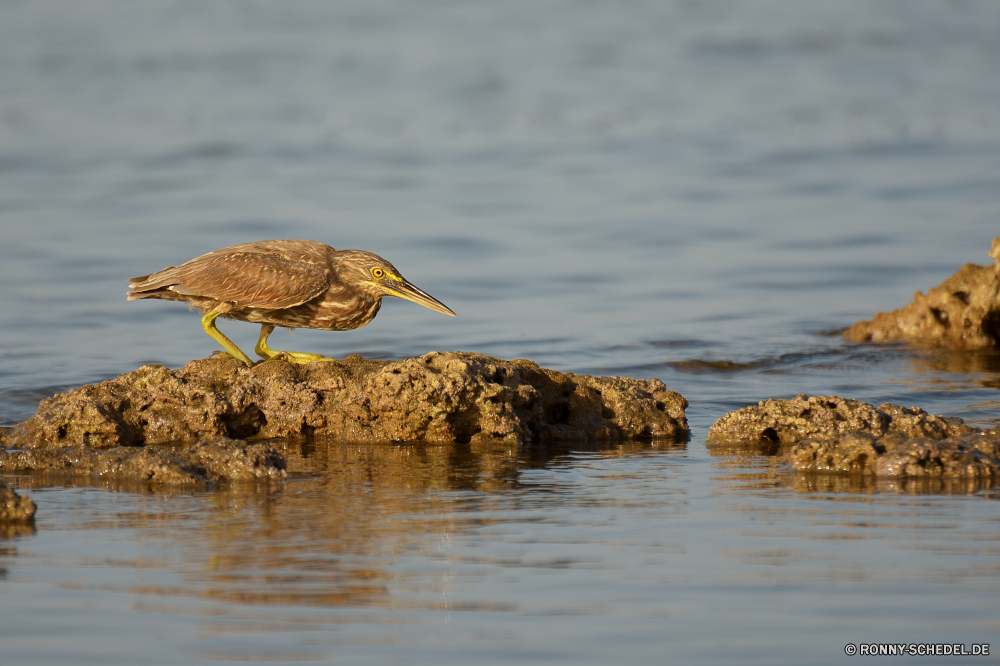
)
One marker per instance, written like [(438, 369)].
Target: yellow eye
[(378, 272)]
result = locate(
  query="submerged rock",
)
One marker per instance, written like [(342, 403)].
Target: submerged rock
[(212, 461), (963, 312), (831, 434), (13, 507), (455, 396), (974, 456)]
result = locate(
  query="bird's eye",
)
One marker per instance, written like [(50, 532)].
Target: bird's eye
[(378, 272)]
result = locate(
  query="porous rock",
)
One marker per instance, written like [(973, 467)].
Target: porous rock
[(789, 421), (963, 312), (456, 396), (212, 461), (13, 507), (831, 434), (971, 456)]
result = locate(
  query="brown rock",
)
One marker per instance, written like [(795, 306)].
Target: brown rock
[(831, 434), (963, 312), (457, 396), (897, 456), (213, 461), (788, 421)]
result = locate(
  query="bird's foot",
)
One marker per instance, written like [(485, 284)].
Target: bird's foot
[(292, 357), (208, 323), (297, 357), (267, 353), (222, 354)]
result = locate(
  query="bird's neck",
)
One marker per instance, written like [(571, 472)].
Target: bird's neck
[(345, 309)]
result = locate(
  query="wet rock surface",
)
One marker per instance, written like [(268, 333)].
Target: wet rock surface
[(13, 507), (454, 396), (788, 421), (212, 461), (972, 456), (833, 434), (963, 312)]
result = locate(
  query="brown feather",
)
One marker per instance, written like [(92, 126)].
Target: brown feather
[(255, 275), (292, 283)]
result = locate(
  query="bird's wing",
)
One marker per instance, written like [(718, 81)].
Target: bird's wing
[(250, 279)]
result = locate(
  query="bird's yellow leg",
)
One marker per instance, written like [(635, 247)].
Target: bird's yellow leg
[(208, 323), (267, 353)]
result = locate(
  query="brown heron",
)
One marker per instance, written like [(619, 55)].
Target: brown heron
[(291, 283)]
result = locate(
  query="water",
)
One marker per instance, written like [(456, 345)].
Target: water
[(699, 192)]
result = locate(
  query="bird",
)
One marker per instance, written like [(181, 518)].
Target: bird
[(288, 283)]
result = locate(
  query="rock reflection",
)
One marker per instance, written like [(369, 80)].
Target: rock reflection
[(748, 472), (14, 530), (985, 363), (856, 483), (748, 467), (409, 467), (349, 527), (348, 511)]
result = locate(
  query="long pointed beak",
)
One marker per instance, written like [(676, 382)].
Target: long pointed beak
[(406, 290)]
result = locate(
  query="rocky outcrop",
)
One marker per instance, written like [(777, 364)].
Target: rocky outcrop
[(454, 396), (789, 421), (962, 313), (831, 434)]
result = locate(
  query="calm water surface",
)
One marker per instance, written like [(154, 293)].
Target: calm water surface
[(702, 192)]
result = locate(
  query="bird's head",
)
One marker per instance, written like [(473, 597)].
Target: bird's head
[(377, 277)]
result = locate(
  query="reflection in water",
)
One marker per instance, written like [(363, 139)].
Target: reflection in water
[(975, 374), (857, 483), (397, 547), (761, 465), (326, 536), (960, 362), (14, 530), (894, 535)]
